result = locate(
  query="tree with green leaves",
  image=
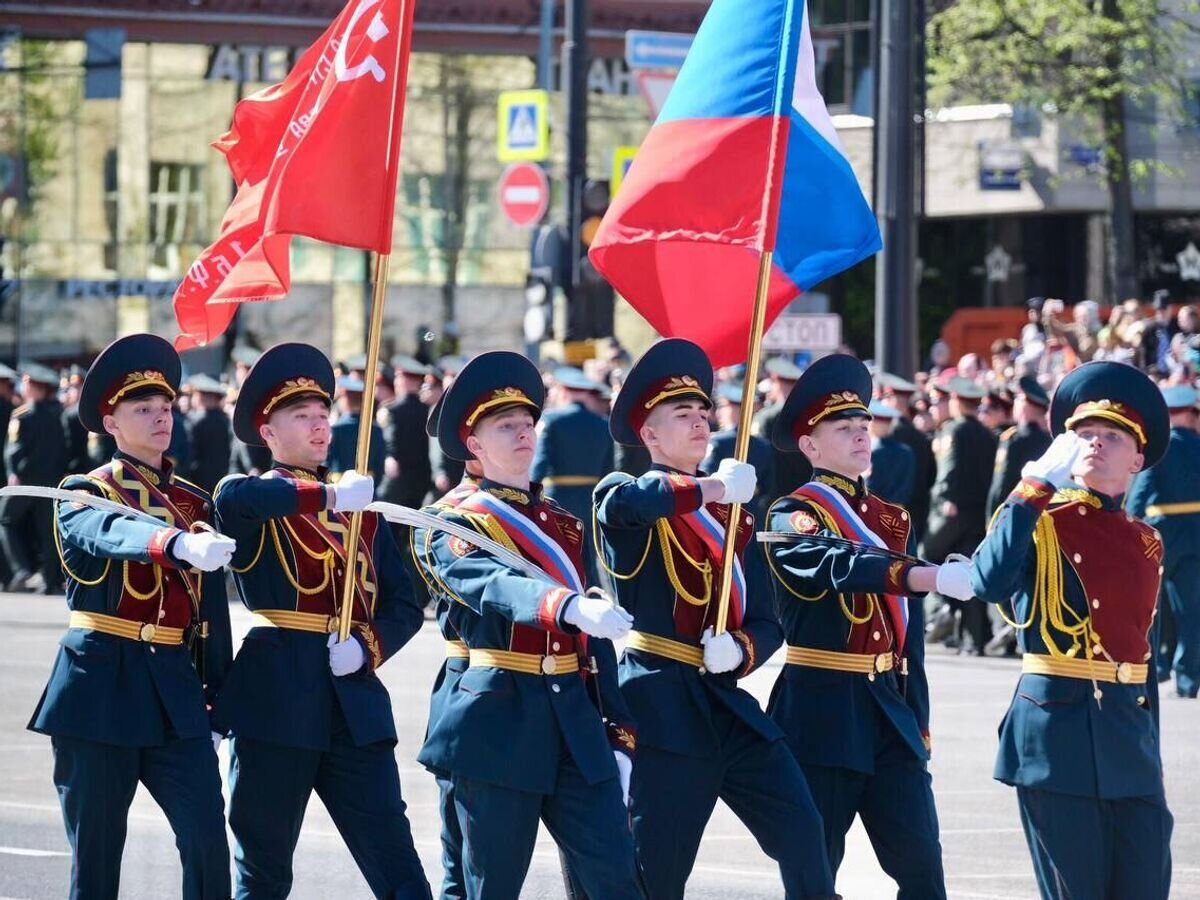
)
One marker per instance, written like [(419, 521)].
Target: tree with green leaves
[(1097, 62)]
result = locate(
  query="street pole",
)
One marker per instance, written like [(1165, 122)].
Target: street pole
[(895, 290), (546, 46), (574, 80)]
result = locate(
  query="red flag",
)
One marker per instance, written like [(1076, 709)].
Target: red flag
[(316, 155)]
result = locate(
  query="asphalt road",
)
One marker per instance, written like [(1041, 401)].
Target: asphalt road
[(985, 856)]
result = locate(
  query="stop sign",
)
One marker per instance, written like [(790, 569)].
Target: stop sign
[(524, 193)]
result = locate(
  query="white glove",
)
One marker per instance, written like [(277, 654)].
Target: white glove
[(738, 479), (205, 550), (597, 615), (345, 657), (1056, 463), (624, 772), (954, 580), (353, 492), (217, 738), (722, 652)]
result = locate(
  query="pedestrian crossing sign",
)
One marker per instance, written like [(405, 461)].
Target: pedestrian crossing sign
[(523, 126), (622, 160)]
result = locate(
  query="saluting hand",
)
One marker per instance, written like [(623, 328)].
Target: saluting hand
[(1055, 465)]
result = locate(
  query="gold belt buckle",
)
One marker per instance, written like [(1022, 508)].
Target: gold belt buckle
[(881, 663), (1124, 672), (147, 632), (549, 665)]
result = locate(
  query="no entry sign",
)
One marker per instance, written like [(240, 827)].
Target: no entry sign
[(524, 194)]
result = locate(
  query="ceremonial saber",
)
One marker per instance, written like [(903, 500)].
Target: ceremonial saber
[(405, 515), (83, 497), (793, 537)]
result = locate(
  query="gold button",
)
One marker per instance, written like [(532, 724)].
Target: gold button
[(863, 507), (153, 649), (1078, 559), (903, 517), (1141, 701), (1095, 603), (554, 646), (874, 635), (1160, 570), (542, 516), (549, 665), (1097, 650), (1146, 658), (870, 676), (1083, 510), (555, 688), (147, 632), (162, 613), (579, 526)]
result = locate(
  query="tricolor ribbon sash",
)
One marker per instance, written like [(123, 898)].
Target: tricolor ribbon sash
[(529, 538), (852, 526)]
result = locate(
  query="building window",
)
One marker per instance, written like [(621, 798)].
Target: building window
[(842, 43), (176, 209)]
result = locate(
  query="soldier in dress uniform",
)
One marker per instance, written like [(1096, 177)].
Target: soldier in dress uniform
[(574, 451), (1167, 496), (307, 712), (721, 446), (700, 736), (408, 467), (966, 453), (420, 542), (209, 433), (126, 701), (343, 442), (853, 697), (898, 393), (1022, 442), (1080, 741), (35, 455), (893, 469), (520, 736)]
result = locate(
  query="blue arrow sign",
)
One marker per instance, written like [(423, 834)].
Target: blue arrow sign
[(656, 49)]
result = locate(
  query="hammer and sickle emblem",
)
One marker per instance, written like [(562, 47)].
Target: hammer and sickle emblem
[(376, 32)]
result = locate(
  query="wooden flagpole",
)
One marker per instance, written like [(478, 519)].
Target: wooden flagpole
[(366, 420), (742, 445)]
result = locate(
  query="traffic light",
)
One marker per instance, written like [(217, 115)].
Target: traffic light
[(544, 278), (591, 298)]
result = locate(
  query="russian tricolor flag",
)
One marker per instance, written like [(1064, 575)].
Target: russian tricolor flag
[(743, 159)]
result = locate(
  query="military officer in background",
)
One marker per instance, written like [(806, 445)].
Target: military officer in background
[(853, 697), (897, 393), (1080, 741), (790, 470), (722, 444), (209, 432), (1167, 496), (574, 451), (35, 455), (127, 703), (701, 737), (307, 711), (1020, 443), (966, 453), (520, 737), (408, 470), (893, 470), (343, 443), (74, 433)]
